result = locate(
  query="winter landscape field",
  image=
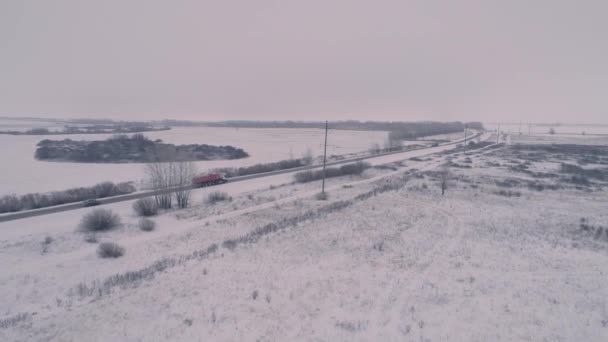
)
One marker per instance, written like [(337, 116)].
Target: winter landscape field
[(316, 170), (385, 257)]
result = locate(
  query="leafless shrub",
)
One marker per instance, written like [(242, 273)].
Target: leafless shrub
[(508, 193), (344, 170), (322, 196), (110, 250), (147, 225), (99, 220), (46, 243), (182, 178), (254, 295), (145, 207), (218, 196)]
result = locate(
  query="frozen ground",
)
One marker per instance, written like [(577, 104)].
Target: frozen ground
[(263, 145), (385, 258), (560, 139), (559, 129)]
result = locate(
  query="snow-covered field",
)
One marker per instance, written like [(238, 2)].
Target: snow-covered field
[(544, 129), (385, 258), (263, 145), (561, 139)]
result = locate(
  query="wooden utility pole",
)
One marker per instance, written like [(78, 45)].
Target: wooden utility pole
[(324, 159), (520, 128), (465, 138), (498, 134)]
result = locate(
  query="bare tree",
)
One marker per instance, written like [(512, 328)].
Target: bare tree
[(167, 176), (158, 175), (374, 148), (391, 144), (183, 172), (307, 157)]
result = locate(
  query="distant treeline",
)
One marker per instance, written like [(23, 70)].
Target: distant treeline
[(95, 129), (261, 168), (136, 148), (398, 129), (414, 130)]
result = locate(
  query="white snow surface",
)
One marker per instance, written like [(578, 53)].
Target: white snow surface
[(404, 265)]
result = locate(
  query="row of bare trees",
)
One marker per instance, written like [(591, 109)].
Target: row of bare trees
[(171, 178)]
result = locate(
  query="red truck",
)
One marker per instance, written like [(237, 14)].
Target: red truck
[(209, 179)]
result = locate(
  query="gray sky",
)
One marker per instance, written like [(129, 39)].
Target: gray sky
[(532, 60)]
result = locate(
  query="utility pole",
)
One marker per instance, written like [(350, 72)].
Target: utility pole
[(498, 134), (520, 128), (324, 159), (465, 138)]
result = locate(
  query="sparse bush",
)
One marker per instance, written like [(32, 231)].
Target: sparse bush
[(99, 220), (145, 207), (598, 232), (90, 238), (344, 170), (45, 244), (268, 167), (218, 196), (10, 203), (379, 246), (13, 203), (147, 225), (110, 250), (507, 183), (254, 295), (508, 193), (322, 196), (354, 169)]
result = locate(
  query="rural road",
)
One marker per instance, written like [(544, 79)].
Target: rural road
[(376, 159)]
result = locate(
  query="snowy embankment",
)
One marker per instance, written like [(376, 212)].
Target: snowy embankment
[(385, 258)]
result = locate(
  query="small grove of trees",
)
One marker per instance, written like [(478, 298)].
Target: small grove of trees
[(172, 178), (14, 203), (390, 144)]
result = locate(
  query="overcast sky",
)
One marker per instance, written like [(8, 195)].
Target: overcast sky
[(509, 60)]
